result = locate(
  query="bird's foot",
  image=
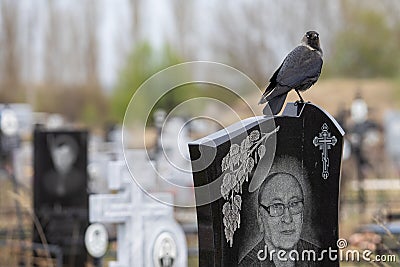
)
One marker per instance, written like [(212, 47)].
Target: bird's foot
[(301, 99), (298, 102), (301, 102)]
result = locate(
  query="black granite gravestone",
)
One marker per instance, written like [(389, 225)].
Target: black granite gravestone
[(60, 192), (269, 184)]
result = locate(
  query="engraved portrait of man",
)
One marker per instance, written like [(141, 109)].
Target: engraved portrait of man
[(280, 204)]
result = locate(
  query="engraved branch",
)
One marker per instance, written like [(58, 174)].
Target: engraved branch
[(236, 167)]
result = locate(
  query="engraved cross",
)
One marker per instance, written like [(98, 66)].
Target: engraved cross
[(325, 142)]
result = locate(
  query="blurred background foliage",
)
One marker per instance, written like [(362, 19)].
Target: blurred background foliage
[(143, 63), (367, 47)]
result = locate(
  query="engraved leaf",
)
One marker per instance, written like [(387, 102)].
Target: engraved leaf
[(241, 176), (261, 151), (249, 164), (234, 149), (225, 163), (226, 185), (226, 209), (254, 135), (237, 187), (247, 143), (227, 179), (236, 159), (237, 201), (243, 148), (230, 163)]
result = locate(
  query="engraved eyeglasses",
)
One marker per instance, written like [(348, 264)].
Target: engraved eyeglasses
[(277, 209)]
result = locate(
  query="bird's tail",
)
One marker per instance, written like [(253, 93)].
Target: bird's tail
[(266, 93), (263, 99), (275, 104)]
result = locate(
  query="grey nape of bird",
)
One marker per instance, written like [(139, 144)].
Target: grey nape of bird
[(299, 71)]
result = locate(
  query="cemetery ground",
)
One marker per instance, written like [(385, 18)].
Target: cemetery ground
[(380, 95)]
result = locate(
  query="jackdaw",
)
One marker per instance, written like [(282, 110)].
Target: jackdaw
[(299, 71)]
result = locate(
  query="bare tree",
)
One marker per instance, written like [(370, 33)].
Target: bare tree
[(10, 61), (28, 47), (72, 60), (136, 6), (91, 51), (183, 14), (243, 39), (64, 46), (52, 46), (254, 36), (125, 43)]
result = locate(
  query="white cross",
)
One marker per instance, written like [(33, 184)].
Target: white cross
[(325, 142), (139, 218)]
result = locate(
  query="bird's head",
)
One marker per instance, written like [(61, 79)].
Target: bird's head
[(311, 38)]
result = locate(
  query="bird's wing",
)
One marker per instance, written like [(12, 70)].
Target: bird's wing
[(278, 91), (275, 105), (299, 65), (271, 86), (273, 77)]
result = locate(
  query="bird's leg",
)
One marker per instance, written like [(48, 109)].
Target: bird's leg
[(301, 99)]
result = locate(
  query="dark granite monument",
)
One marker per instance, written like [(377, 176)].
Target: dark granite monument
[(60, 194), (267, 190)]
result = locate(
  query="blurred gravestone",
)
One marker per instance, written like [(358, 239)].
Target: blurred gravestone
[(24, 116), (60, 191), (278, 185), (148, 178), (392, 135), (147, 234), (9, 137), (173, 162)]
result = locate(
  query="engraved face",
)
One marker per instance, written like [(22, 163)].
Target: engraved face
[(165, 250), (63, 150), (281, 210)]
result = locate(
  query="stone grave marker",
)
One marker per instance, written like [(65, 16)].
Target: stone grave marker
[(147, 233), (392, 135), (60, 197), (269, 185)]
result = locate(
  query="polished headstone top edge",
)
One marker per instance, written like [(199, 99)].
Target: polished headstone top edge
[(231, 131), (291, 110), (297, 109)]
